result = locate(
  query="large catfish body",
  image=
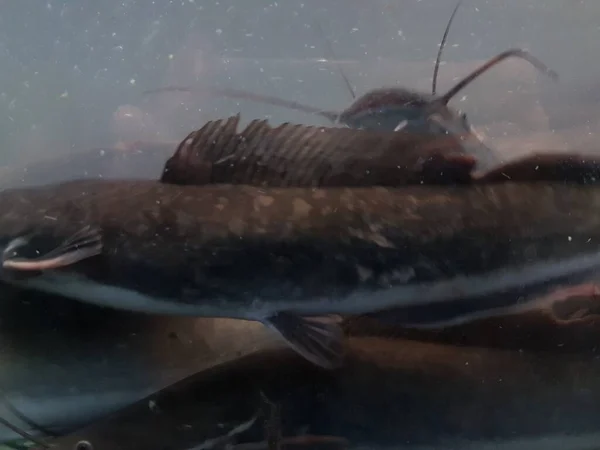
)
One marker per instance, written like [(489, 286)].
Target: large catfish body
[(277, 255), (391, 394)]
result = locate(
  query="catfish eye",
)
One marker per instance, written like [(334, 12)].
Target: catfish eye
[(83, 445), (438, 124), (12, 249)]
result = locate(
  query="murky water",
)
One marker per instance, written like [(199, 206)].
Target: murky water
[(69, 67), (72, 78)]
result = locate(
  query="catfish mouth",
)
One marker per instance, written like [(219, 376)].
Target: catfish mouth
[(32, 254), (11, 249), (456, 124)]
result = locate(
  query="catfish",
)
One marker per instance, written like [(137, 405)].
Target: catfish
[(194, 163), (296, 259), (391, 393)]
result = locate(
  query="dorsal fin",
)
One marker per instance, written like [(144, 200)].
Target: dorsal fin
[(305, 156), (515, 52), (436, 67), (190, 163)]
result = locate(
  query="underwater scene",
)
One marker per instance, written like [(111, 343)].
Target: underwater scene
[(300, 225)]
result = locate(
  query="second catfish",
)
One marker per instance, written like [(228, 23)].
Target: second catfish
[(291, 257)]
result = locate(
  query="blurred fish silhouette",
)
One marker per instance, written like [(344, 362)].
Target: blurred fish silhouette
[(398, 108), (384, 397), (301, 155)]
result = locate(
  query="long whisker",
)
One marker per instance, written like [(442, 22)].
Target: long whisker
[(436, 68), (244, 95), (515, 52)]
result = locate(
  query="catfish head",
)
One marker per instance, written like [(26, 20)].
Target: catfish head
[(45, 229), (31, 255), (400, 109)]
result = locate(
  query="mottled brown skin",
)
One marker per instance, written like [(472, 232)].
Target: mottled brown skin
[(237, 243), (390, 392)]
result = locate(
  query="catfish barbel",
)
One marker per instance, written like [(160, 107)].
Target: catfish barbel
[(291, 257)]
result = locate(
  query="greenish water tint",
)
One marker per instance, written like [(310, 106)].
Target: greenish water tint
[(19, 444)]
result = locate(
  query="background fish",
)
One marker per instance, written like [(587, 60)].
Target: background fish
[(399, 108), (392, 393), (281, 256), (558, 325), (297, 155), (300, 155)]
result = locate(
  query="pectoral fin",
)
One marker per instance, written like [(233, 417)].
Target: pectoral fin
[(82, 245), (318, 339)]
